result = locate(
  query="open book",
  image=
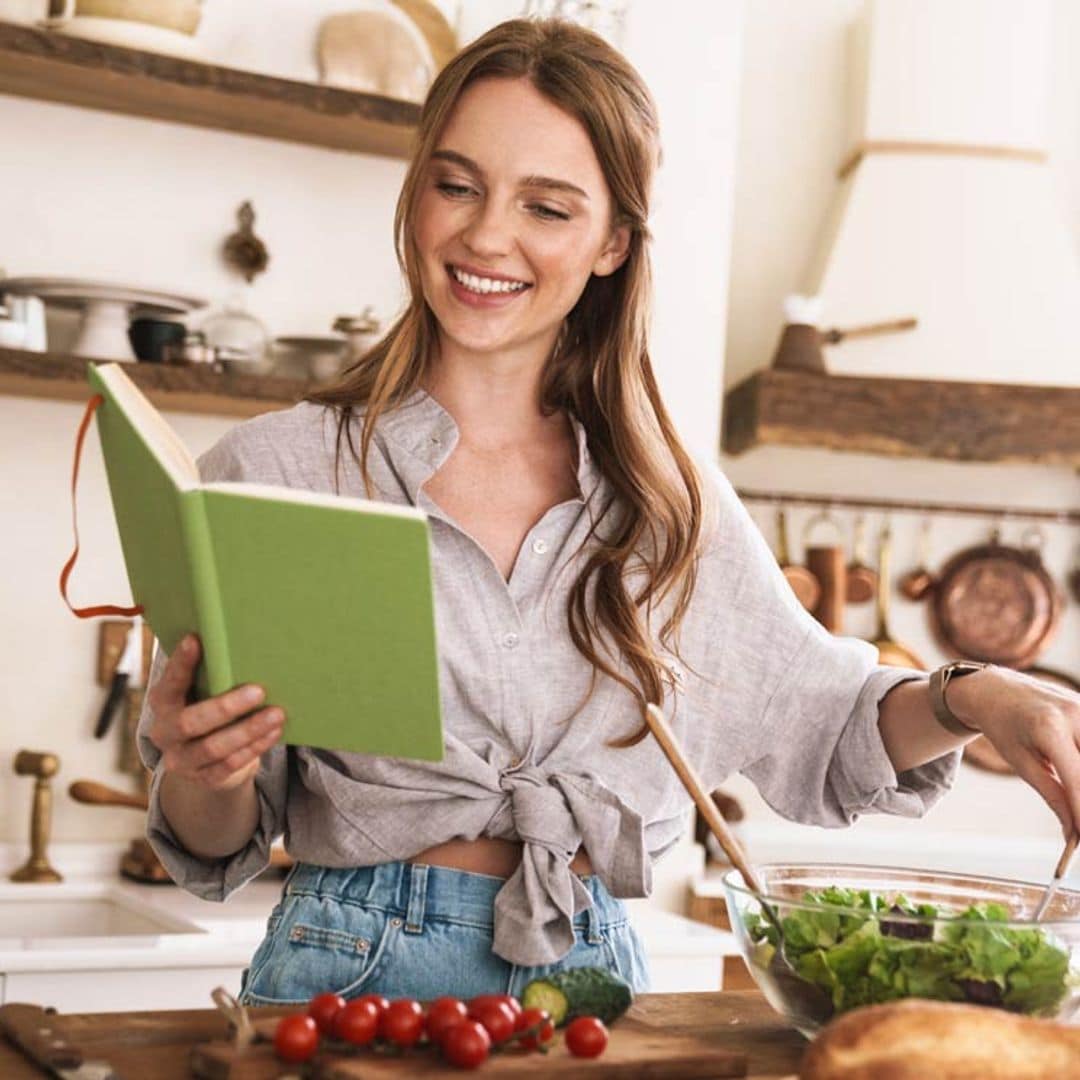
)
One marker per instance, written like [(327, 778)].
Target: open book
[(325, 601)]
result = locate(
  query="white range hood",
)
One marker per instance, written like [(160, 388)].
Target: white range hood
[(949, 209)]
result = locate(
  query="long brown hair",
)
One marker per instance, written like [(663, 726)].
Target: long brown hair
[(599, 370)]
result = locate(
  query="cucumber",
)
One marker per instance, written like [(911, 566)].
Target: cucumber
[(583, 991)]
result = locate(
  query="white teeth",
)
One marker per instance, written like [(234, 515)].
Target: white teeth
[(486, 285)]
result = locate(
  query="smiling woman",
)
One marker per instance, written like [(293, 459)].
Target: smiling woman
[(584, 568)]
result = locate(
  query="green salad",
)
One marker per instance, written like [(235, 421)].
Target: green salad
[(861, 956)]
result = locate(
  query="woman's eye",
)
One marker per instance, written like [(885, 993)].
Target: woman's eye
[(455, 191), (548, 213)]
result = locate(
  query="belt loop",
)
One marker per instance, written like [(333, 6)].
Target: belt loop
[(414, 914), (592, 931)]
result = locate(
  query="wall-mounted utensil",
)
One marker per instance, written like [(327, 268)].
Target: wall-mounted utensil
[(889, 650), (803, 583), (861, 579), (996, 603), (827, 562), (917, 583)]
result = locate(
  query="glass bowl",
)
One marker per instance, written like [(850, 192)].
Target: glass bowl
[(871, 934)]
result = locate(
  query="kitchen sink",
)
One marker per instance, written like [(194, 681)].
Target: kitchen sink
[(63, 915)]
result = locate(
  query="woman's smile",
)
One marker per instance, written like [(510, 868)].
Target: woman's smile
[(481, 289)]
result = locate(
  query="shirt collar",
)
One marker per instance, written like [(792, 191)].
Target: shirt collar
[(420, 436)]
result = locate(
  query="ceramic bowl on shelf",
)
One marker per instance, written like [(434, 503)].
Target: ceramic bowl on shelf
[(871, 934)]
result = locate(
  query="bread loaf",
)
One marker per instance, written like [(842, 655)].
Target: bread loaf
[(930, 1040)]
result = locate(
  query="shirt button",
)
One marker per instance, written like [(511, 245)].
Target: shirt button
[(540, 546), (510, 641)]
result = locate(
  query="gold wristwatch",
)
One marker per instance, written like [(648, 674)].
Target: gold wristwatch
[(939, 682)]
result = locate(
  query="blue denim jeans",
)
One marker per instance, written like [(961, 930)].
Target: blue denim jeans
[(405, 930)]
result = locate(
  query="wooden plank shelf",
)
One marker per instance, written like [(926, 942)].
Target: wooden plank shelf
[(956, 421), (189, 388), (59, 67)]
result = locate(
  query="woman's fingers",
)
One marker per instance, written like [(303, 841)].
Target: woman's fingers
[(240, 763), (203, 717), (179, 672), (215, 757)]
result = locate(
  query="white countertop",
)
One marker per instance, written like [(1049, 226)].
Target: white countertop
[(226, 934)]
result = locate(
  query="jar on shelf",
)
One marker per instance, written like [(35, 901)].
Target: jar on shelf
[(240, 340)]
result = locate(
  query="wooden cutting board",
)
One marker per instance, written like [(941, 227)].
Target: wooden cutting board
[(636, 1049), (721, 1026)]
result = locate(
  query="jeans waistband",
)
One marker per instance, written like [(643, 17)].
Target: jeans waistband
[(415, 892)]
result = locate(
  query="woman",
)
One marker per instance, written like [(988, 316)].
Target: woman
[(584, 566)]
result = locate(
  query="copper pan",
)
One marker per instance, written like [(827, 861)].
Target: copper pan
[(981, 752), (996, 603), (803, 583)]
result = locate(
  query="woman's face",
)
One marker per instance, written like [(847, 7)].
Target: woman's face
[(514, 215)]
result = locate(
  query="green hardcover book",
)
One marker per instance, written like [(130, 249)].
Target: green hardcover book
[(325, 601)]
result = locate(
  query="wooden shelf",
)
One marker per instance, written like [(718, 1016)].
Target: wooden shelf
[(957, 421), (193, 388), (64, 68)]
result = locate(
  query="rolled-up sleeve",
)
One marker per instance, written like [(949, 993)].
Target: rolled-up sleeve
[(810, 700), (213, 879)]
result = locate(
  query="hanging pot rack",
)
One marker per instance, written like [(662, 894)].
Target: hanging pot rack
[(837, 502)]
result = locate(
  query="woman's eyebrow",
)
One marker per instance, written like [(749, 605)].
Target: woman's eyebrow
[(528, 181)]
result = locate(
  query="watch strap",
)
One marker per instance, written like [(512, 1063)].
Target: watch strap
[(939, 683)]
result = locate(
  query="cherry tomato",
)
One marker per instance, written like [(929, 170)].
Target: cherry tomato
[(322, 1008), (357, 1023), (377, 1000), (467, 1045), (505, 999), (496, 1016), (443, 1013), (296, 1038), (538, 1023), (403, 1022), (586, 1037)]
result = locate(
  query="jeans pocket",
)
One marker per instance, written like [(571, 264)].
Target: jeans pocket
[(628, 956), (310, 952)]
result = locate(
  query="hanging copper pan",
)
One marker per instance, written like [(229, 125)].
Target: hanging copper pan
[(996, 603), (981, 753)]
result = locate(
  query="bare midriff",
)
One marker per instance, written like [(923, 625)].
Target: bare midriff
[(487, 855)]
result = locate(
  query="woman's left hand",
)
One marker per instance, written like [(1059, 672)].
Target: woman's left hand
[(1034, 725)]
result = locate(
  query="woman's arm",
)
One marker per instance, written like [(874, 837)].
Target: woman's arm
[(1034, 725)]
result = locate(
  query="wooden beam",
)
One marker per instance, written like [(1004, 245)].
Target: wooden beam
[(957, 421), (59, 67)]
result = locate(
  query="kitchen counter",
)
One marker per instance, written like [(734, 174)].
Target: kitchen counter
[(156, 944), (157, 1045)]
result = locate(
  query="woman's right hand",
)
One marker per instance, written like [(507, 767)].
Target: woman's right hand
[(207, 743)]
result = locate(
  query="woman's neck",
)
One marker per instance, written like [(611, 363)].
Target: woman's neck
[(494, 406)]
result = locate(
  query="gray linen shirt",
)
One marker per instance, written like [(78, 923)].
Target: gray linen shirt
[(759, 688)]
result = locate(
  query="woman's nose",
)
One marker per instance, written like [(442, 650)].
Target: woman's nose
[(489, 232)]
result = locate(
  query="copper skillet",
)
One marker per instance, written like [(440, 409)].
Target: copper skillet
[(996, 603)]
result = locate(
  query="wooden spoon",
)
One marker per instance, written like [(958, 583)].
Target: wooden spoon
[(801, 997)]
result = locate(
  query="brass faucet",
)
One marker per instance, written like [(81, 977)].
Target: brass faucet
[(44, 766)]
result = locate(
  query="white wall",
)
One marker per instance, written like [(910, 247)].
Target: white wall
[(793, 134), (124, 199)]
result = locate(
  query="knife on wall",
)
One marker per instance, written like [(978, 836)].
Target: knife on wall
[(33, 1030)]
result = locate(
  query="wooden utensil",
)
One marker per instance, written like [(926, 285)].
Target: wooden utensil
[(889, 650), (806, 587), (1060, 871), (801, 997), (95, 794)]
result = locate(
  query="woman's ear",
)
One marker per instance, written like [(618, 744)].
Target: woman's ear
[(614, 253)]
